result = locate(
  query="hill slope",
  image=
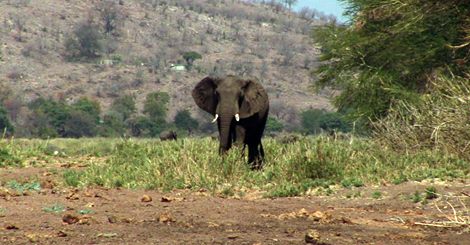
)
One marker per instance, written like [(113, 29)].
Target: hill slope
[(139, 40)]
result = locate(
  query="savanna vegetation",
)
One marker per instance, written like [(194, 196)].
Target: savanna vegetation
[(402, 72), (305, 165), (391, 158)]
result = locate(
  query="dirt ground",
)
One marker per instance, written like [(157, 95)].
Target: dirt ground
[(120, 216)]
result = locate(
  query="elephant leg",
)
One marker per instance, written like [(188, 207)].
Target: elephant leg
[(254, 157), (261, 150), (240, 133)]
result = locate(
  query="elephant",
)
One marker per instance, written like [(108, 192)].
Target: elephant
[(240, 107), (168, 135)]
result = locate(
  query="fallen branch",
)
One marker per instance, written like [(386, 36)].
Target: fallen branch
[(436, 225)]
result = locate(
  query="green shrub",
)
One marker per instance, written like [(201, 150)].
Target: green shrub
[(431, 192), (315, 121), (5, 125), (190, 57), (183, 120), (86, 42), (274, 125)]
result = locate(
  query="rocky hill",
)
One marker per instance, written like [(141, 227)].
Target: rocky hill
[(140, 46)]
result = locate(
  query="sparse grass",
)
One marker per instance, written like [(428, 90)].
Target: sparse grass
[(31, 152), (350, 182), (290, 169), (430, 193), (85, 211), (417, 197), (23, 187), (55, 208), (376, 194)]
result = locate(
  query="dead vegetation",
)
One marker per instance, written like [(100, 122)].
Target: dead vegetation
[(100, 49)]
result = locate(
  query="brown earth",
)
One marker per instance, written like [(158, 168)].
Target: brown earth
[(122, 216)]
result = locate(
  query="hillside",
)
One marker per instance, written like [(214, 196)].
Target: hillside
[(140, 40)]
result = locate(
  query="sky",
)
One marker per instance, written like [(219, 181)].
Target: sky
[(326, 6)]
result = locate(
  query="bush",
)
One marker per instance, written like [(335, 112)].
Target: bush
[(86, 42), (50, 115), (156, 105), (125, 106), (5, 124), (315, 121), (183, 120), (55, 118), (439, 121), (273, 125), (90, 107), (113, 125), (80, 124), (143, 126), (190, 57)]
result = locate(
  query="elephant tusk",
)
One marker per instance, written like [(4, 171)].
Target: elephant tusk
[(215, 118), (237, 117)]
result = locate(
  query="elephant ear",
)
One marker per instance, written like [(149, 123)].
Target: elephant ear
[(203, 94), (255, 98)]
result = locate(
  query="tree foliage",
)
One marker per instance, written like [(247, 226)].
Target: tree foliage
[(156, 105), (53, 118), (86, 42), (5, 124), (315, 121), (190, 57), (391, 49), (274, 125), (124, 106), (183, 120)]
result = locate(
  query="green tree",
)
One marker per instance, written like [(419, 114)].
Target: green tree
[(190, 57), (5, 124), (90, 107), (141, 126), (156, 105), (310, 120), (315, 121), (56, 113), (87, 42), (183, 120), (125, 106), (274, 125), (113, 125), (390, 50), (80, 124)]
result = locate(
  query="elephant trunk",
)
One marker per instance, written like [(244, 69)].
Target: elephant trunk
[(225, 134)]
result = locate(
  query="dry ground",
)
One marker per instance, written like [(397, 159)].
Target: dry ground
[(121, 216)]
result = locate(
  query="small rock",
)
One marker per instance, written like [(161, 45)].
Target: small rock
[(146, 198), (112, 219), (11, 227), (70, 219), (61, 234), (166, 199), (85, 220), (165, 218), (312, 237), (232, 236), (345, 220)]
